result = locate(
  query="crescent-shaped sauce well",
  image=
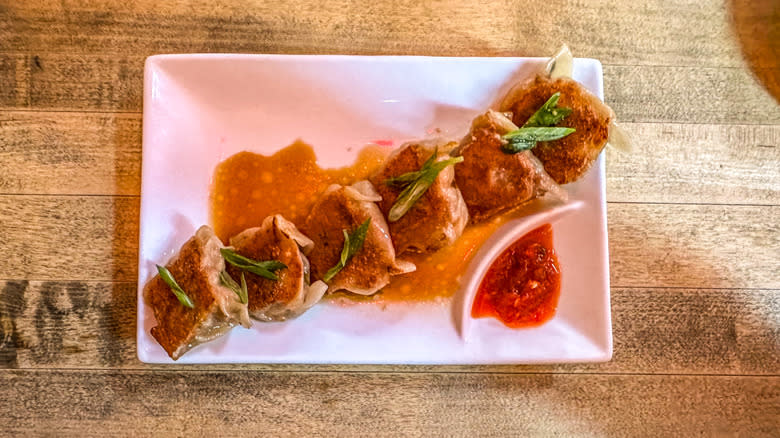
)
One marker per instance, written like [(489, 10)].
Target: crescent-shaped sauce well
[(492, 249)]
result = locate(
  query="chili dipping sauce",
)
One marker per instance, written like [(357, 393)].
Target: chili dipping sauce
[(522, 286)]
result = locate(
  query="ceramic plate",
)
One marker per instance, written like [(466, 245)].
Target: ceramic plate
[(200, 109)]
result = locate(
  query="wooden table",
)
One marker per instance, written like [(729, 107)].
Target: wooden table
[(693, 223)]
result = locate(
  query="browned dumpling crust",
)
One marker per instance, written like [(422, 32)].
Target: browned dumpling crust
[(492, 181), (567, 159), (216, 309), (290, 295), (345, 208), (438, 217)]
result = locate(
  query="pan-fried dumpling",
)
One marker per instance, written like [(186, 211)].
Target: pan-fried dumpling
[(438, 217), (346, 208), (568, 158), (492, 181), (293, 293), (216, 309)]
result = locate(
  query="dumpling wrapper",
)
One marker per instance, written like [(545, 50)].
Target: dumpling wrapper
[(293, 293), (492, 181), (568, 158), (438, 217), (216, 310), (345, 208)]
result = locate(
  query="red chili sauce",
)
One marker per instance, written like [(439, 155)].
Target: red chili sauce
[(522, 286)]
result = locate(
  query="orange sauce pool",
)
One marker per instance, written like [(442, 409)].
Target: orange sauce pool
[(248, 187)]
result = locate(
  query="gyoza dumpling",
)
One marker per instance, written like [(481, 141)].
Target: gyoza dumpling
[(438, 217), (568, 158), (346, 208), (216, 309), (493, 181), (293, 293)]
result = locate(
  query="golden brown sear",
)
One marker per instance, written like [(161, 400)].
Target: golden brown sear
[(216, 308), (290, 295), (492, 181), (567, 159), (438, 217), (346, 208)]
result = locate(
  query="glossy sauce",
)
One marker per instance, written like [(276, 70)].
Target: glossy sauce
[(438, 275), (522, 286), (248, 187)]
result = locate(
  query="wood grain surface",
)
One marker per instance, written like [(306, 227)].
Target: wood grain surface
[(656, 32), (423, 404), (693, 216)]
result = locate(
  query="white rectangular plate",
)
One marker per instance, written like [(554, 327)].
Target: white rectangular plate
[(200, 109)]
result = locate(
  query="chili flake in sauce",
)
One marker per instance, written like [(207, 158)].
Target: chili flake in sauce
[(521, 288)]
